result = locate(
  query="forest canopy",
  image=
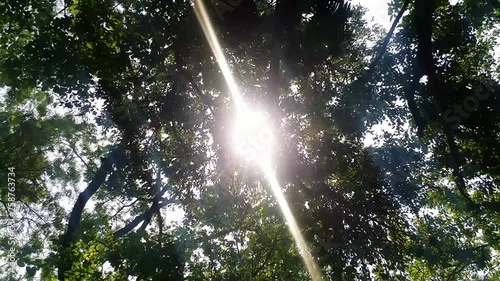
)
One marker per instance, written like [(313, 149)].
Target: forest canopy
[(286, 140)]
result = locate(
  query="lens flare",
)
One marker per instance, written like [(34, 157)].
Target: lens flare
[(202, 16), (247, 123), (301, 243)]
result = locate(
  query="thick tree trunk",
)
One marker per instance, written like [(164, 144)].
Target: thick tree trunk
[(115, 157)]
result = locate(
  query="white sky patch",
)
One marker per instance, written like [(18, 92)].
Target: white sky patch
[(423, 80), (375, 134), (377, 11), (174, 215)]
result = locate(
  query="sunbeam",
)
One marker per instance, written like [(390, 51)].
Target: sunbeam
[(261, 152), (206, 25), (301, 243)]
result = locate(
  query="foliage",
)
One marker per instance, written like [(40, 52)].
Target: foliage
[(115, 112)]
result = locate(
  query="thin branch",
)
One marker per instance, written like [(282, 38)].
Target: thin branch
[(420, 122), (32, 210), (148, 213), (62, 10), (382, 49), (73, 148), (123, 207), (458, 268), (160, 225)]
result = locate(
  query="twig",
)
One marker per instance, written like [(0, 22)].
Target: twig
[(73, 148), (382, 49)]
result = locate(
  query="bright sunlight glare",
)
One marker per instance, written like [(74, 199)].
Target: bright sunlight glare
[(301, 243), (206, 25), (252, 137), (251, 127)]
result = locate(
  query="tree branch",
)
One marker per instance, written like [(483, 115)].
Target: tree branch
[(143, 217), (75, 151), (123, 207), (382, 49), (115, 157)]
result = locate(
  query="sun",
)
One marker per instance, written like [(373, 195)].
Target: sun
[(252, 138)]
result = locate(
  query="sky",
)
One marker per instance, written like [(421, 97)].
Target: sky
[(377, 10)]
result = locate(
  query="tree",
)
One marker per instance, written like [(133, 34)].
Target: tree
[(147, 116)]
